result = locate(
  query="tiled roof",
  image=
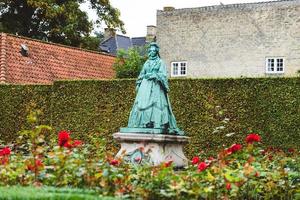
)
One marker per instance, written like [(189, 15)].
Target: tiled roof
[(123, 42), (47, 62), (109, 46), (138, 41)]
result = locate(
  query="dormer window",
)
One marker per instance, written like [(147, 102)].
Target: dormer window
[(24, 50)]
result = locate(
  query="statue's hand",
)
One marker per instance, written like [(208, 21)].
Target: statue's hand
[(146, 76), (152, 76), (167, 89)]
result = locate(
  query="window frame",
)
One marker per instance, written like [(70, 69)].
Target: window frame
[(275, 65), (179, 69)]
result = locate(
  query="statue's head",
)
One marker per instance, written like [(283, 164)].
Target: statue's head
[(153, 50)]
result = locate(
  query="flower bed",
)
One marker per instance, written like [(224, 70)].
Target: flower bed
[(240, 171)]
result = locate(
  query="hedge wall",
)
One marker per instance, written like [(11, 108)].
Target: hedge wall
[(213, 112), (15, 103)]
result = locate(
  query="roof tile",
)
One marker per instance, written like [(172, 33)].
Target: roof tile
[(47, 62)]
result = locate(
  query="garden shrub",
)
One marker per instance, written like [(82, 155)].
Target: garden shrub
[(213, 112), (239, 171)]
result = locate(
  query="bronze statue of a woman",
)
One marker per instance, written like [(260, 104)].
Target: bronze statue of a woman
[(151, 112)]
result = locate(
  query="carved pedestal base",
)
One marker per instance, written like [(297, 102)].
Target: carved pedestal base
[(152, 148)]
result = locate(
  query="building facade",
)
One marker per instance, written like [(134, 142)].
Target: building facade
[(237, 40)]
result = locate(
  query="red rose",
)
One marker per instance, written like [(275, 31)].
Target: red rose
[(114, 162), (68, 145), (291, 150), (63, 138), (30, 167), (38, 164), (202, 166), (168, 164), (256, 174), (234, 148), (253, 138), (77, 143), (228, 186), (195, 160), (5, 151), (4, 160)]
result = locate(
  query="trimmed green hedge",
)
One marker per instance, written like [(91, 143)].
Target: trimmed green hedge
[(15, 103), (213, 112)]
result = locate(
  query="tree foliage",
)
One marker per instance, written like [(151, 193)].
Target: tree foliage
[(129, 63), (92, 42), (60, 21)]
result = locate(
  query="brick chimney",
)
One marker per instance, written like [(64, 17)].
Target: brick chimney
[(151, 34)]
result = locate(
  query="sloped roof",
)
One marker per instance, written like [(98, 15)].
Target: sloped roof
[(112, 44), (47, 62), (138, 41), (109, 46), (123, 42)]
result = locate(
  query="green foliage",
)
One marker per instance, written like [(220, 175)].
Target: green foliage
[(92, 42), (16, 102), (55, 20), (129, 63), (48, 193), (213, 112), (244, 172)]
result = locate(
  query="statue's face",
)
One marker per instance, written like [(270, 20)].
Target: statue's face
[(152, 52)]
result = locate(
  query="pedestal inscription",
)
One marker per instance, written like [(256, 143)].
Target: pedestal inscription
[(153, 149)]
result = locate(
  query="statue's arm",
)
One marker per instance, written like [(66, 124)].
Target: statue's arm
[(162, 76), (140, 77)]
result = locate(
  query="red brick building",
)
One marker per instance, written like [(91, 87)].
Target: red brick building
[(29, 61)]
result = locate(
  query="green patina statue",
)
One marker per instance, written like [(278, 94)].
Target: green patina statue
[(151, 112)]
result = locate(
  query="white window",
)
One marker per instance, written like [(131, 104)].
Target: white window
[(178, 69), (274, 65)]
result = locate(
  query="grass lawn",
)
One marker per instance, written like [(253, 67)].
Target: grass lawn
[(48, 193)]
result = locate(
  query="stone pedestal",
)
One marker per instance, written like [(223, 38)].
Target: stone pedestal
[(153, 149)]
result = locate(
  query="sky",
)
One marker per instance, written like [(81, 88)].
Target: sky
[(138, 14)]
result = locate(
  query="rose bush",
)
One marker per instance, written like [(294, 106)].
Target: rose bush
[(241, 171)]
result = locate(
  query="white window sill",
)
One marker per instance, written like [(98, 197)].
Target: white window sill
[(178, 75), (274, 72)]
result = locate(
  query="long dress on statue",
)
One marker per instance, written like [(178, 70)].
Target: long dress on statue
[(152, 107)]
